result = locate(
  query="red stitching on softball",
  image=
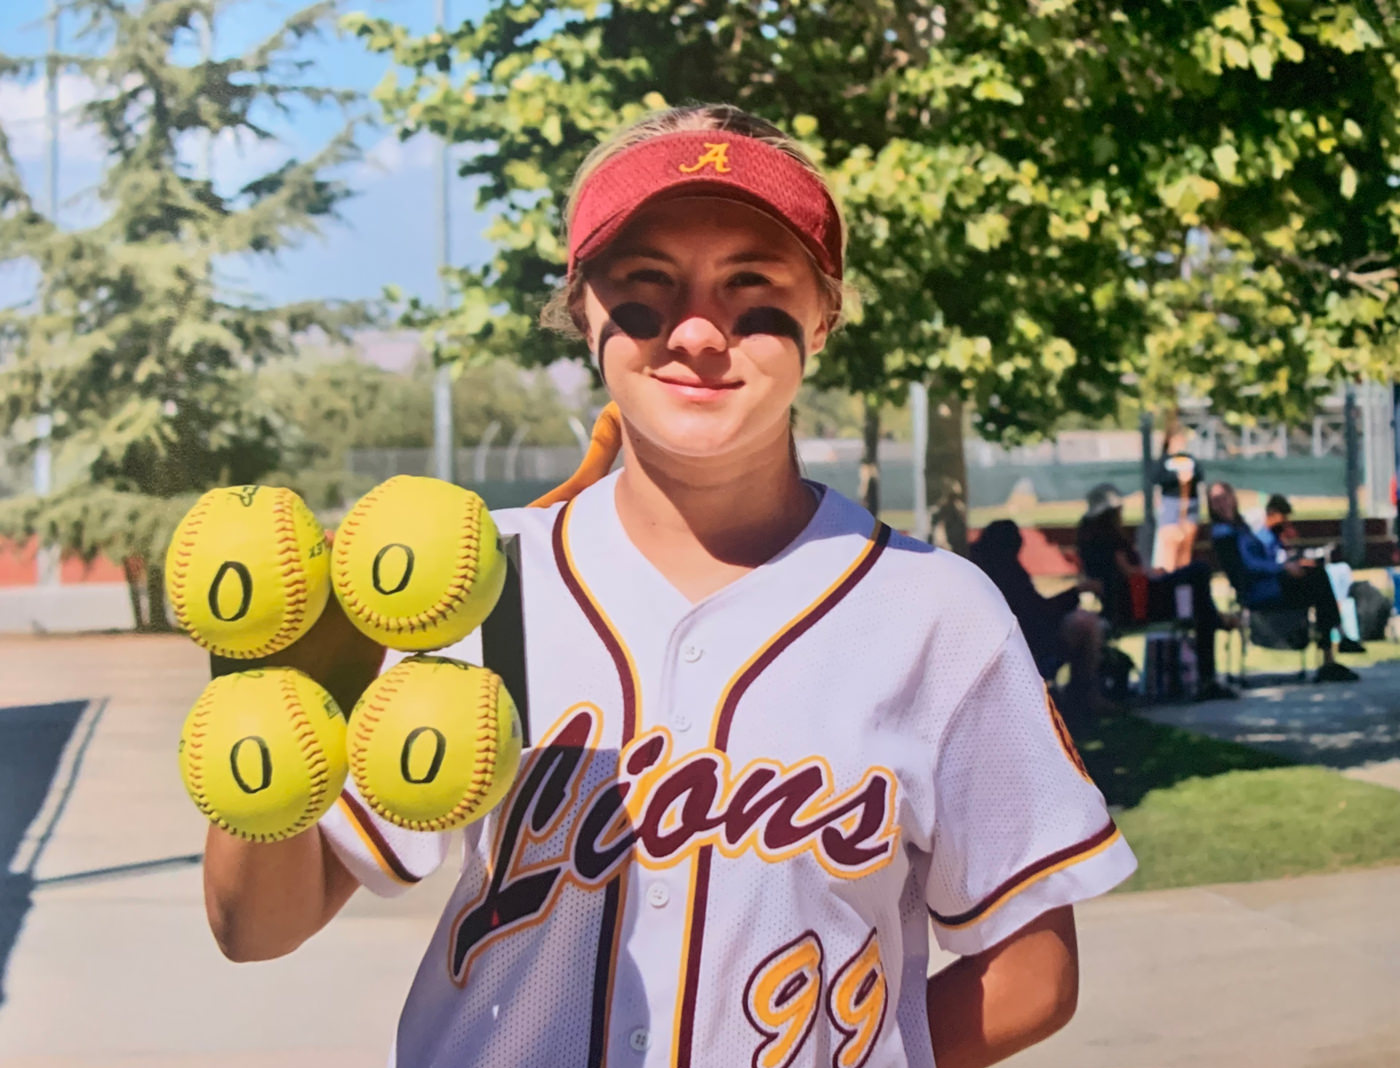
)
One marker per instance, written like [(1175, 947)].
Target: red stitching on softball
[(178, 578), (316, 763), (289, 563), (488, 687), (373, 701), (460, 586)]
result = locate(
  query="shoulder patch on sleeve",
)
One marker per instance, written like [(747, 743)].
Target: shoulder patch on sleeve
[(1066, 740)]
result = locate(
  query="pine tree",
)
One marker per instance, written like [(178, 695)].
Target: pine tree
[(141, 354)]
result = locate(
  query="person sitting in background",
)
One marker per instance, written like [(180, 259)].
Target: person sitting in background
[(1261, 581), (1108, 556), (1057, 630), (1179, 478), (1277, 534)]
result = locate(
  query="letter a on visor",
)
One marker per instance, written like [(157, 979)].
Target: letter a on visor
[(705, 163)]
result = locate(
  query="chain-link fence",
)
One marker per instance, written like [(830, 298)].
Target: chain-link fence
[(507, 480)]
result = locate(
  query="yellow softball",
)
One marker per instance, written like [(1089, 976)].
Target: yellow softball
[(417, 563), (434, 743), (262, 753), (247, 571)]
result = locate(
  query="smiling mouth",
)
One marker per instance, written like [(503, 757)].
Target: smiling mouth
[(685, 383)]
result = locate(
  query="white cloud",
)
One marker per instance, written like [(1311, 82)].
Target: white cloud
[(389, 156), (22, 112), (237, 157)]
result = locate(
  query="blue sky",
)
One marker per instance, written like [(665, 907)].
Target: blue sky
[(389, 233)]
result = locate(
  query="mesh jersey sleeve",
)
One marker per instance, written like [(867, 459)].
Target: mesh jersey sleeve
[(1019, 827), (387, 859)]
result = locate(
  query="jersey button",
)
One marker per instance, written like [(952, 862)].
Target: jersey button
[(640, 1040), (658, 895), (681, 721), (691, 653)]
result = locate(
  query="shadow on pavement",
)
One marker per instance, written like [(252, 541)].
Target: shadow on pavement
[(32, 741), (1128, 756), (1335, 725)]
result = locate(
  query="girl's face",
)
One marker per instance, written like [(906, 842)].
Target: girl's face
[(701, 315)]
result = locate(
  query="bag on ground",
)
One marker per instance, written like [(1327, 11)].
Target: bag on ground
[(1372, 611)]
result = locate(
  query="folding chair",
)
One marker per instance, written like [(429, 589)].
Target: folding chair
[(1269, 628), (1272, 628)]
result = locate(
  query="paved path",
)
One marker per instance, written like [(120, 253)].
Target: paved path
[(1353, 727), (1293, 973), (112, 965)]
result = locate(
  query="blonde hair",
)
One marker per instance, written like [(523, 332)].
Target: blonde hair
[(563, 313)]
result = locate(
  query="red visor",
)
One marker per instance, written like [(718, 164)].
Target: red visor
[(706, 163)]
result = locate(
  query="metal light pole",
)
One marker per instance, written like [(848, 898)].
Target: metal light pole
[(513, 450), (580, 434), (1147, 532), (482, 451), (443, 444), (47, 560), (1395, 437), (918, 405), (206, 41), (1353, 533)]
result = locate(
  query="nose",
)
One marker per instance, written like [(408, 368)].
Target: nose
[(697, 335), (697, 331)]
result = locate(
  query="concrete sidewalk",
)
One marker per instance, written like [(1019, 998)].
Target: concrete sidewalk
[(84, 606), (113, 965), (1293, 973)]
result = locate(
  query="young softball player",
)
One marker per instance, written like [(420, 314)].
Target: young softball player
[(774, 744)]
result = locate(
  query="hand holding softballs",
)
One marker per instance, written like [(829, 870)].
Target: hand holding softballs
[(416, 565)]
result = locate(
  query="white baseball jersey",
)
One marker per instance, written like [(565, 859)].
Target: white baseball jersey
[(737, 817)]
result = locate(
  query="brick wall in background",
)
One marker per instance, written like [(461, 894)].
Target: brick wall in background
[(18, 567)]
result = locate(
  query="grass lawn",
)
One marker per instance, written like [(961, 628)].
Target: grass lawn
[(1197, 810), (1262, 824)]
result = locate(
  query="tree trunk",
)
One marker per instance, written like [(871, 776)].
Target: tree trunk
[(945, 474), (156, 618), (870, 459), (134, 584)]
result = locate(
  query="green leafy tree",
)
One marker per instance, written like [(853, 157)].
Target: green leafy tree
[(326, 407), (330, 407), (837, 413), (1283, 185), (497, 392), (1022, 179), (143, 358)]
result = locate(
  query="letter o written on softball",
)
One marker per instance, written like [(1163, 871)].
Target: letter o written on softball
[(262, 753), (417, 563), (247, 572), (434, 743)]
